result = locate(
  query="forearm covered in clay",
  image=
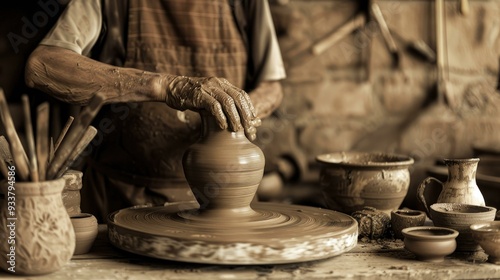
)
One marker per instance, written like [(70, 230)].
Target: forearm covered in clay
[(73, 78), (266, 98)]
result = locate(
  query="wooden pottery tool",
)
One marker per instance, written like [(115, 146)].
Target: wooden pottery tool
[(5, 157), (75, 133), (63, 132), (42, 139), (51, 150), (18, 153), (224, 170), (30, 138), (5, 153), (80, 146)]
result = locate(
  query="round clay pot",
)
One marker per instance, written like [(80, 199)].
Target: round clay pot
[(401, 219), (488, 237), (353, 180), (430, 244), (85, 226), (460, 217)]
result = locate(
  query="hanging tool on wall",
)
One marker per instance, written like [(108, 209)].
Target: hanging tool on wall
[(417, 48), (443, 89), (464, 7), (322, 45), (347, 28), (386, 34)]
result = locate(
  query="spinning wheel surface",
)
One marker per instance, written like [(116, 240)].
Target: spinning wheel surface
[(274, 233)]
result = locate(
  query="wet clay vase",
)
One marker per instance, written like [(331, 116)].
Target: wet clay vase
[(350, 181), (224, 170), (71, 192), (460, 217), (86, 228), (488, 237), (460, 187), (430, 244), (401, 219), (372, 223), (43, 239)]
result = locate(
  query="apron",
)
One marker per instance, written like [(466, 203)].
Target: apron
[(140, 161)]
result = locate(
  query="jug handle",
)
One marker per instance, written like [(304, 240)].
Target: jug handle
[(421, 191)]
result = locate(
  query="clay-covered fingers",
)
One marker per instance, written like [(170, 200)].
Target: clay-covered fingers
[(230, 105), (240, 99)]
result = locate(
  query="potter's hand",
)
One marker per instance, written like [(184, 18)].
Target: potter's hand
[(229, 105)]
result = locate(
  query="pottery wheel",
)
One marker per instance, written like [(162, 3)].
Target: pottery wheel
[(270, 234)]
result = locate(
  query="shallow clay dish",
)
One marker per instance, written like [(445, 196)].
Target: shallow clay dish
[(460, 217), (488, 237), (430, 244), (352, 180), (276, 233)]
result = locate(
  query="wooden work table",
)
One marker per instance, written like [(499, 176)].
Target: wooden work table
[(382, 259)]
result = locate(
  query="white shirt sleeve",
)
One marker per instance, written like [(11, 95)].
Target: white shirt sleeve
[(77, 28), (264, 46)]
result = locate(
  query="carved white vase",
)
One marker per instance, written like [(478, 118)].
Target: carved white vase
[(36, 233)]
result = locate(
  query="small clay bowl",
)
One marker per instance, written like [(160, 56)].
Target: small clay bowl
[(429, 243), (402, 218), (488, 237), (460, 217), (85, 226)]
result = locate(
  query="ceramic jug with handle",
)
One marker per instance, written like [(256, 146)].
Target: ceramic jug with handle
[(461, 186)]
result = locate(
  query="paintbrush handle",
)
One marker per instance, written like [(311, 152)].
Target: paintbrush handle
[(80, 146), (75, 133), (18, 152), (5, 153), (30, 138), (63, 132), (42, 139)]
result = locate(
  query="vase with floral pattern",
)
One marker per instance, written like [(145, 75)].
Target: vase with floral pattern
[(37, 234)]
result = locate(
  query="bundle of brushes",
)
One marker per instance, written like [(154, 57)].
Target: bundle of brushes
[(44, 159)]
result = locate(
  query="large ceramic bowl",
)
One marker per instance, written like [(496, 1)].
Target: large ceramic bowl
[(430, 244), (488, 237), (460, 217), (352, 180)]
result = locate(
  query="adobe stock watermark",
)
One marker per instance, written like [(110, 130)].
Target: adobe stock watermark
[(31, 26), (11, 220)]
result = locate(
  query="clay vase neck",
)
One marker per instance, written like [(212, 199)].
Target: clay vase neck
[(460, 187), (224, 170)]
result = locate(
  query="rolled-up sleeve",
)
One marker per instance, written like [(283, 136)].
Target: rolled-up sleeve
[(77, 28)]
